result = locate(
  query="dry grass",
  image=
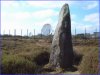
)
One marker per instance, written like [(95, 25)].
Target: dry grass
[(90, 62), (17, 53), (35, 55)]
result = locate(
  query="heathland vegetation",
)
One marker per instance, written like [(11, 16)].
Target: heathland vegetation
[(31, 56)]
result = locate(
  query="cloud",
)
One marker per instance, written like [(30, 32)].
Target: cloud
[(39, 15), (91, 5), (8, 4), (26, 20), (14, 17), (34, 14), (92, 18), (81, 26), (73, 16), (48, 4), (43, 14), (37, 4)]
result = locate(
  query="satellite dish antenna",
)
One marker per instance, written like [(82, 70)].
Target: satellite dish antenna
[(46, 29)]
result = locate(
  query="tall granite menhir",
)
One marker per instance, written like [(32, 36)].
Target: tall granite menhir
[(61, 49)]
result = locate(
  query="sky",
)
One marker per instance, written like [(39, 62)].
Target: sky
[(23, 15)]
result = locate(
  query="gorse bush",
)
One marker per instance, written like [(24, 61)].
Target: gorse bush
[(89, 64), (13, 64)]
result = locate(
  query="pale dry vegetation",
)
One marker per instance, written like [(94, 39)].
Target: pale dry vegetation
[(32, 55)]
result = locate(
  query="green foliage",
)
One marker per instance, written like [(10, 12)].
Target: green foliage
[(89, 64), (12, 64)]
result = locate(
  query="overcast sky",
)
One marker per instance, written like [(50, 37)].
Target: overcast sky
[(34, 14)]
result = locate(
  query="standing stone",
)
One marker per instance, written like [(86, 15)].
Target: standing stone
[(61, 49)]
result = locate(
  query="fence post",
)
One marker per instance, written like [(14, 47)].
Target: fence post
[(27, 33), (14, 32), (85, 33), (49, 32), (41, 34), (3, 34), (34, 33), (95, 33), (21, 33), (75, 34), (15, 36), (9, 34)]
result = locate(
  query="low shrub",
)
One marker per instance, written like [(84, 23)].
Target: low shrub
[(37, 52), (42, 58), (13, 64), (77, 57), (89, 64)]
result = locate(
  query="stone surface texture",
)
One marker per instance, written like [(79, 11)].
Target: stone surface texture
[(61, 49)]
